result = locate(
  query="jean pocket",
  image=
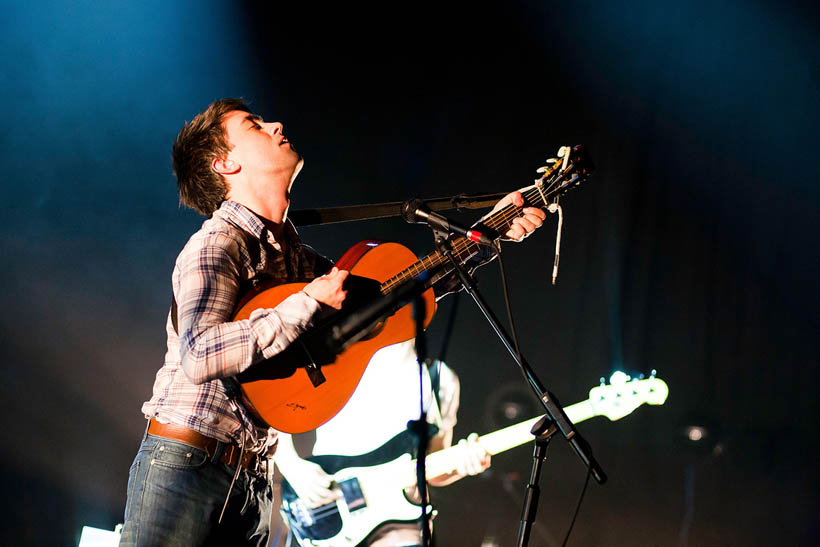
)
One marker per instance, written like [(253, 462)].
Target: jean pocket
[(178, 455)]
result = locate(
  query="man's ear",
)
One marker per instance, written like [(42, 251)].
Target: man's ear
[(225, 166)]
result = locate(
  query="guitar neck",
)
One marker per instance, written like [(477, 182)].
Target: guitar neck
[(518, 434), (463, 249), (445, 461)]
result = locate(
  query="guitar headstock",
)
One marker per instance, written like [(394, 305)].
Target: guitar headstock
[(571, 167), (623, 395)]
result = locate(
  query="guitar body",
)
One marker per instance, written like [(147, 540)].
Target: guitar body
[(371, 496), (279, 390)]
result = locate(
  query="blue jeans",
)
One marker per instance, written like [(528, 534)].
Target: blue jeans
[(176, 493)]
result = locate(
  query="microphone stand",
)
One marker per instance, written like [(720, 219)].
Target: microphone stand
[(554, 413), (555, 418), (419, 427), (358, 325), (543, 431)]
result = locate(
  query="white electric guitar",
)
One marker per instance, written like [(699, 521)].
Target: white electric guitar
[(372, 486)]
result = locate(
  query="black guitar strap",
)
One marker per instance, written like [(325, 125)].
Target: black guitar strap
[(434, 370), (174, 320), (434, 412)]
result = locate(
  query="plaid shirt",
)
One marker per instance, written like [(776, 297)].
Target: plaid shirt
[(214, 268)]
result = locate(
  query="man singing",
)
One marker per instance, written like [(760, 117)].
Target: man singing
[(237, 169)]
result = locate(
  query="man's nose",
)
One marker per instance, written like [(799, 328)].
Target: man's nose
[(275, 127)]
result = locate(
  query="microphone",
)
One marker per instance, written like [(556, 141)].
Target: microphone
[(358, 324), (416, 212)]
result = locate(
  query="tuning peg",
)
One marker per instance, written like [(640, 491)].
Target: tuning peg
[(618, 378), (603, 381), (545, 169), (653, 373), (563, 151)]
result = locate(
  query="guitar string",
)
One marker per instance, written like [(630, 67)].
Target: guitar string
[(502, 218), (460, 245), (330, 508)]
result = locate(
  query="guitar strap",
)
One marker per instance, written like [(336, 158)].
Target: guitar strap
[(434, 372), (174, 320)]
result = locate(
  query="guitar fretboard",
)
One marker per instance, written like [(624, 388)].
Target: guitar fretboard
[(445, 461), (437, 265)]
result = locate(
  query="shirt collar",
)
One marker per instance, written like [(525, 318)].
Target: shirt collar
[(251, 223), (242, 217)]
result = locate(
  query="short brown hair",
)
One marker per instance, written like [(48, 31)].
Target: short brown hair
[(198, 143)]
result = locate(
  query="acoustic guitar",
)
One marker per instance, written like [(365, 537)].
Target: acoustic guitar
[(303, 386)]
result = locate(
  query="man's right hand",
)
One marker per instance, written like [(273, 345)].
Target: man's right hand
[(327, 289), (309, 481)]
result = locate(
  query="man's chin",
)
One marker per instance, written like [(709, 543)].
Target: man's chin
[(299, 164)]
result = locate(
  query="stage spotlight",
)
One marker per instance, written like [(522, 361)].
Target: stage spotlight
[(96, 537), (510, 403), (701, 436), (696, 433)]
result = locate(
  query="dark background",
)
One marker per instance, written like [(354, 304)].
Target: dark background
[(692, 250)]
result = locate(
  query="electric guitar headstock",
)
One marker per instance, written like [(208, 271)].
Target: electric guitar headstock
[(623, 395)]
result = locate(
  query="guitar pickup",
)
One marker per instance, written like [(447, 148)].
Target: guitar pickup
[(352, 492)]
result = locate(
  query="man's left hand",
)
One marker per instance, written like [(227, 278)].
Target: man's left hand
[(475, 458), (522, 226)]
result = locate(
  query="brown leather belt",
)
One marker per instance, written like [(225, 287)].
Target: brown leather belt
[(230, 452)]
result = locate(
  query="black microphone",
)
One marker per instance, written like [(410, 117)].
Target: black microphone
[(416, 212), (358, 324)]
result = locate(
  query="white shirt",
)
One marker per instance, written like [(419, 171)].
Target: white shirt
[(386, 398)]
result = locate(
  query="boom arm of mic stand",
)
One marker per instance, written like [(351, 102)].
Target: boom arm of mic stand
[(551, 404), (348, 213)]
